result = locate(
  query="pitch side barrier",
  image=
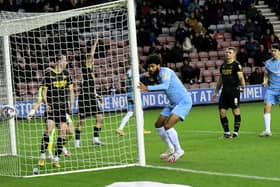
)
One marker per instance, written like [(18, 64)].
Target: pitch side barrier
[(150, 100)]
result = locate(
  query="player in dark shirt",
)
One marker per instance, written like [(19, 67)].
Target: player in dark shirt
[(231, 78), (88, 99), (57, 90)]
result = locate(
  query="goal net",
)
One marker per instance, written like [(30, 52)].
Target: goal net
[(29, 44)]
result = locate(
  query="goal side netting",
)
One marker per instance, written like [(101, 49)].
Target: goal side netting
[(29, 46)]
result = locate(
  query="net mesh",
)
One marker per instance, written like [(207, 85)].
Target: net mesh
[(35, 39)]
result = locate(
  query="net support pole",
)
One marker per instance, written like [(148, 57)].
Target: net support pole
[(135, 76), (9, 91)]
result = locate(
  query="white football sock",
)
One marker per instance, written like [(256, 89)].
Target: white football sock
[(165, 137), (173, 136), (125, 120), (267, 118)]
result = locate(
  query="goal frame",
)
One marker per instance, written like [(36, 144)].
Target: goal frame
[(139, 117)]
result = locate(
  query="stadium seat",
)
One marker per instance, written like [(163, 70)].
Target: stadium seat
[(200, 64), (207, 76), (203, 56), (232, 18), (251, 62), (170, 39), (146, 49), (221, 54), (221, 27), (165, 30), (213, 55), (22, 88), (204, 85), (219, 63), (193, 56), (227, 36), (194, 86), (172, 30), (212, 84), (226, 18), (235, 44), (225, 44), (210, 64), (179, 65), (161, 40), (33, 87)]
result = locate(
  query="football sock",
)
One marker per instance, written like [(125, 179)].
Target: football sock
[(96, 131), (164, 137), (51, 140), (59, 146), (173, 136), (125, 120), (267, 118), (77, 134), (44, 143), (237, 120), (224, 122)]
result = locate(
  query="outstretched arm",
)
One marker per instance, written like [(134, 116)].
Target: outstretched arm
[(89, 61)]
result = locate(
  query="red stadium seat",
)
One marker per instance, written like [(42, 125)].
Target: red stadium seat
[(203, 56)]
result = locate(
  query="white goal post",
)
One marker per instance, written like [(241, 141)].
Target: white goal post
[(29, 43)]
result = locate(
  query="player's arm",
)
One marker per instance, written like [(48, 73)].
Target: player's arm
[(165, 82), (72, 96), (44, 97), (265, 79), (242, 80), (36, 105), (89, 61), (218, 87)]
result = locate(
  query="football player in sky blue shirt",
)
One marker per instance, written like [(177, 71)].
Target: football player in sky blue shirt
[(180, 103), (272, 81)]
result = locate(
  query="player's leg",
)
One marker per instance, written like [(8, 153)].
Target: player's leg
[(50, 145), (159, 125), (78, 130), (69, 133), (237, 121), (223, 107), (50, 125), (62, 128), (224, 122), (97, 129), (236, 112), (267, 121), (124, 121), (178, 113), (269, 100)]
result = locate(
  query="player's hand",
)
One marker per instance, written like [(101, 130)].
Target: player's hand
[(99, 98), (214, 97), (264, 84), (48, 108), (142, 87), (242, 89)]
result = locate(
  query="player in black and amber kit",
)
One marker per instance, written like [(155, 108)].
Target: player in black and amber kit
[(88, 98), (232, 82), (58, 97)]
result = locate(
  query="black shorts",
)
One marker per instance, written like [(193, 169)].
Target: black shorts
[(229, 99), (58, 113), (88, 105)]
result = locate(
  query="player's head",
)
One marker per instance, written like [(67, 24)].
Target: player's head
[(153, 63), (275, 50), (61, 61), (230, 53)]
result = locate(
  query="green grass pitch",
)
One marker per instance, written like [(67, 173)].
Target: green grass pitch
[(209, 161)]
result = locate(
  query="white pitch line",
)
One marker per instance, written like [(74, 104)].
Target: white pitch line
[(216, 173), (220, 132)]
